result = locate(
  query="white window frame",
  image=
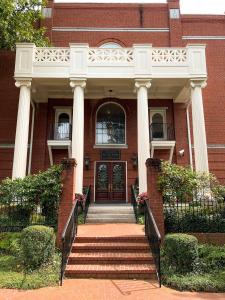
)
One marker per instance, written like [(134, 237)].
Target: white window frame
[(62, 110), (162, 112), (124, 145)]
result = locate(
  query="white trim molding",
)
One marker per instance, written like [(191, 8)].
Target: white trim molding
[(57, 144), (161, 145), (83, 29), (202, 37)]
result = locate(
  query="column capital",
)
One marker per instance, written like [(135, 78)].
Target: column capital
[(26, 82), (198, 83), (78, 82), (142, 83)]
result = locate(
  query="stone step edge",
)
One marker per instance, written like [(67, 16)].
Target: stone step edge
[(110, 262), (90, 239), (119, 243), (97, 269)]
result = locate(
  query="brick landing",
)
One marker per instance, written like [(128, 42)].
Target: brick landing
[(93, 230)]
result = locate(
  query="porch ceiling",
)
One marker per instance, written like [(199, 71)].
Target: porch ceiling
[(116, 88)]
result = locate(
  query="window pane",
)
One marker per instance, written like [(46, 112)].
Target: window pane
[(110, 126)]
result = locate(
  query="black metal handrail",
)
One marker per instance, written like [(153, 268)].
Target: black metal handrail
[(68, 237), (134, 194), (60, 131), (87, 201), (154, 238), (161, 131)]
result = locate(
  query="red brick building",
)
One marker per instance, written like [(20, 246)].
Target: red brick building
[(121, 83)]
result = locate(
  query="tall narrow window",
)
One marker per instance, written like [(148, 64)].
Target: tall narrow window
[(62, 128), (110, 124), (158, 124)]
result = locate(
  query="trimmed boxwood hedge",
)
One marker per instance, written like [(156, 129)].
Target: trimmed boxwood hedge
[(37, 245), (181, 252)]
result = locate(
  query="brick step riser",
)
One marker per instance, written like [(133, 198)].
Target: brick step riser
[(111, 250), (110, 221), (108, 261), (112, 276), (111, 240), (102, 213)]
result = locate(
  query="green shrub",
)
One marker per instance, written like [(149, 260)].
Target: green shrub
[(181, 252), (9, 242), (37, 245), (181, 184), (20, 198), (212, 257), (190, 220)]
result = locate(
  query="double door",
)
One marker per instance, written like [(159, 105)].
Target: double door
[(110, 182)]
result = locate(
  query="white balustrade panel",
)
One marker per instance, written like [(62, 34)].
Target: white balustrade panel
[(99, 55), (52, 55), (168, 55)]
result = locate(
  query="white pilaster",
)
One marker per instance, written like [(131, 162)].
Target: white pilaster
[(198, 120), (22, 130), (142, 86), (78, 86)]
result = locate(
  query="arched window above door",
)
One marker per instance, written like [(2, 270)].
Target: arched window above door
[(110, 45), (110, 124)]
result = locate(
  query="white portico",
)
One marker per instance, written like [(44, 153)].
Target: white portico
[(142, 72)]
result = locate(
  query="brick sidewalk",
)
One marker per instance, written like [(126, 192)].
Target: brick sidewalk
[(95, 289)]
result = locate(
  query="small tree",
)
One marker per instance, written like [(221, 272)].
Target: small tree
[(19, 22), (178, 183)]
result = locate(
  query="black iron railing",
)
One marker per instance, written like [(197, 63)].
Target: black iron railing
[(202, 213), (161, 131), (134, 194), (154, 238), (60, 131), (68, 237), (18, 215), (87, 193)]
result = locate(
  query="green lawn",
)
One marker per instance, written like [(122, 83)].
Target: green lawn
[(13, 274), (207, 282)]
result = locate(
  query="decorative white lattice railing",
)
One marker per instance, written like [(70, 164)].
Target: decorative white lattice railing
[(169, 55), (98, 55), (121, 55), (52, 55)]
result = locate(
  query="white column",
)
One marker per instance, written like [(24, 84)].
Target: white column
[(78, 86), (22, 130), (198, 123), (142, 86)]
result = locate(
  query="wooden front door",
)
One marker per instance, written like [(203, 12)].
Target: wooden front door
[(110, 182)]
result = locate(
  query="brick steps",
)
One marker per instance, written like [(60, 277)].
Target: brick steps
[(94, 239), (111, 271), (110, 257), (119, 257), (109, 246)]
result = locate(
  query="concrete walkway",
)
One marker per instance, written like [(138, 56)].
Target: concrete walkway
[(96, 289)]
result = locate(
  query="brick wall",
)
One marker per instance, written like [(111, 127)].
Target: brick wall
[(123, 15), (9, 96)]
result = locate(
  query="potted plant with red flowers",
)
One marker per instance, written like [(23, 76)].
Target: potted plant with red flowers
[(81, 201), (141, 198)]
